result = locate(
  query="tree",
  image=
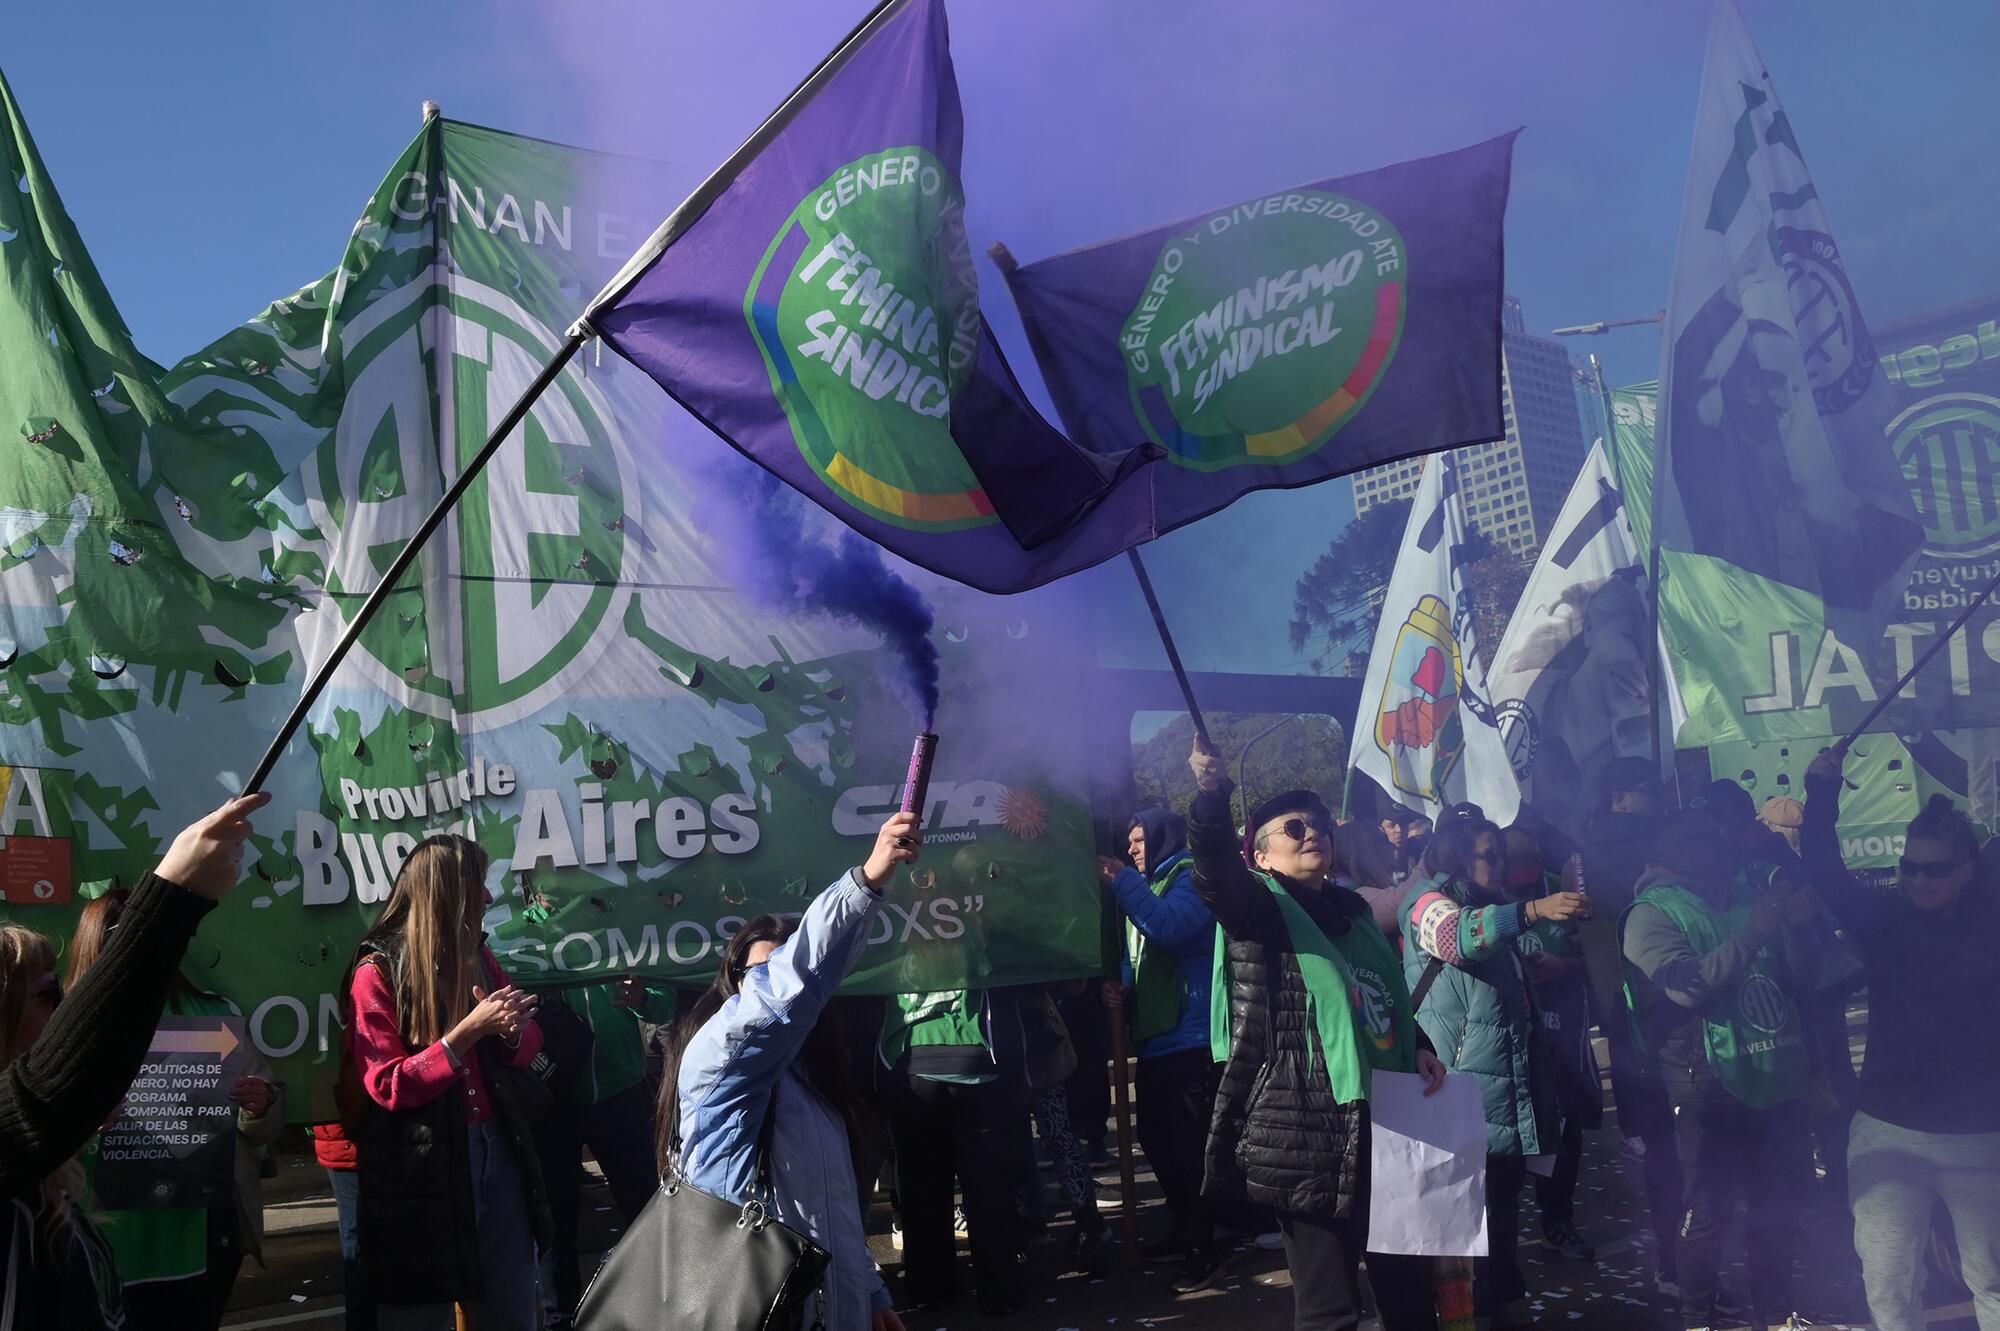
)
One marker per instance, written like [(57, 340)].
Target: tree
[(1337, 600), (1495, 583), (1308, 752)]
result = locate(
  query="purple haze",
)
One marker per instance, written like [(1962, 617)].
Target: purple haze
[(786, 561)]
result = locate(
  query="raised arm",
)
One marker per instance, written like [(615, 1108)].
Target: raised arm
[(54, 1096), (1240, 903), (1846, 896), (763, 1026)]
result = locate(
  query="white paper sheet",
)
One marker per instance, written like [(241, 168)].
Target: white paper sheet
[(1428, 1194)]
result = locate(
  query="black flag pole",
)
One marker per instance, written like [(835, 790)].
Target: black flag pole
[(677, 222), (1922, 661), (1173, 652), (386, 586)]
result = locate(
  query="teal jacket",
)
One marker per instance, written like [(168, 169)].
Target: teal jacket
[(1479, 1013)]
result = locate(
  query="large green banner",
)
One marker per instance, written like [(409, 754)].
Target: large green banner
[(1890, 774), (566, 675)]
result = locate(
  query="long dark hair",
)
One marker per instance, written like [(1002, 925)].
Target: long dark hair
[(825, 1056)]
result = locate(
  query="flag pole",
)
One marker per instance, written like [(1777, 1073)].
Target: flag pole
[(582, 331), (1922, 661), (1173, 652), (386, 585), (1121, 1099), (1655, 681)]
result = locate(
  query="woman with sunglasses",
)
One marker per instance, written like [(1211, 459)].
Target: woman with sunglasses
[(760, 1043), (1316, 1005), (1928, 1126), (1461, 950)]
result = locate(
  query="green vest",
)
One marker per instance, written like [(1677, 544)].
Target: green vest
[(947, 1018), (1156, 979), (1752, 1034), (1356, 1000)]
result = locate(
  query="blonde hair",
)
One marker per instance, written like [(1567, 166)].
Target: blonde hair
[(26, 956), (436, 909)]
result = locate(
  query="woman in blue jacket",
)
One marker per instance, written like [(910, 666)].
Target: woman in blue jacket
[(760, 1041)]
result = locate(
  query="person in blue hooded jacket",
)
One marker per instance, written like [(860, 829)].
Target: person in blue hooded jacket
[(1168, 970), (759, 1042)]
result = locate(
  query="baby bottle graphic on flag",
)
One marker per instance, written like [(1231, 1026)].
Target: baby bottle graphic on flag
[(1417, 721)]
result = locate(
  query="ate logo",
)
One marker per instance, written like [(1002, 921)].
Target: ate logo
[(1949, 448), (1763, 1003), (530, 557)]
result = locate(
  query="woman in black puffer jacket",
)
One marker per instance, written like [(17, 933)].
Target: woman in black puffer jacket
[(1280, 1135)]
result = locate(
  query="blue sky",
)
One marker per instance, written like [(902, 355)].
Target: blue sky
[(215, 156)]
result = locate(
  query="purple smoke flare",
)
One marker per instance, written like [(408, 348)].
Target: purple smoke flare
[(784, 563)]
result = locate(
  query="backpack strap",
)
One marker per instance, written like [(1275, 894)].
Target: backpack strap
[(1433, 968)]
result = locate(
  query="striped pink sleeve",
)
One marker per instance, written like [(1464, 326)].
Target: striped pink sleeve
[(1434, 926)]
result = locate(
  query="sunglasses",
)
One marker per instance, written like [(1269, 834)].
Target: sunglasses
[(1295, 828), (1928, 868)]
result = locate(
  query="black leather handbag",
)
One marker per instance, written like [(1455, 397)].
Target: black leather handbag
[(695, 1262)]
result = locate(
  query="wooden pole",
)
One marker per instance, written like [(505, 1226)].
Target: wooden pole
[(1121, 1100)]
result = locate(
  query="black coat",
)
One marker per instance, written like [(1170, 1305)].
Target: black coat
[(1277, 1136), (418, 1244)]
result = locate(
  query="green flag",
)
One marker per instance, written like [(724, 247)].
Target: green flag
[(565, 674)]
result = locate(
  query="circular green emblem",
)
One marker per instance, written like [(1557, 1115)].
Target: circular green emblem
[(866, 308), (1264, 329), (540, 548), (1949, 447)]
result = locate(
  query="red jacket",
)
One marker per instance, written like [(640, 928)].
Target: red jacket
[(333, 1147)]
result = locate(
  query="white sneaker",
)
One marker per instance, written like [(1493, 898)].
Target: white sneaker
[(1271, 1242), (1635, 1149)]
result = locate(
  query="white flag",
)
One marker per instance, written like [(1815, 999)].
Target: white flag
[(1572, 680), (1428, 732), (1773, 461)]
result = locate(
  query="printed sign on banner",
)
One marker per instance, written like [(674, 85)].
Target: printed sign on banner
[(173, 1141)]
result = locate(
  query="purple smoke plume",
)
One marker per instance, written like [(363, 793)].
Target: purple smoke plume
[(784, 563)]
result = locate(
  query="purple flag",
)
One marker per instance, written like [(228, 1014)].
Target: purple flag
[(1301, 335), (815, 304)]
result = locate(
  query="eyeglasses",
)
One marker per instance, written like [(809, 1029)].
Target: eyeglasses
[(1929, 868), (1295, 828)]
